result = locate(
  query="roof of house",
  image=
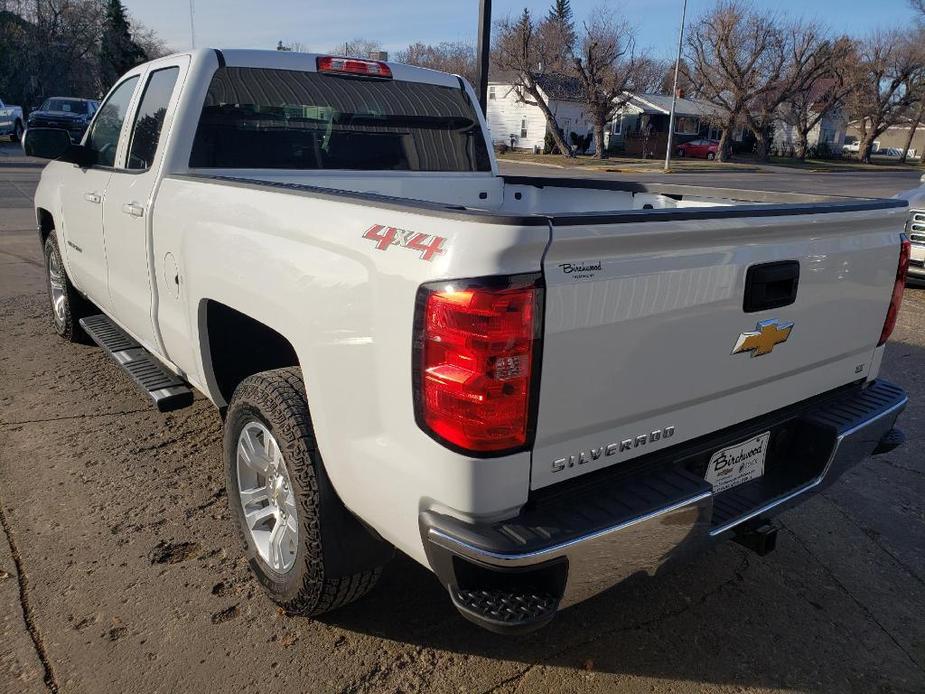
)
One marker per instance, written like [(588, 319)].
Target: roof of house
[(561, 87), (661, 104)]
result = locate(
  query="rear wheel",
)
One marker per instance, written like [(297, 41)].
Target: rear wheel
[(298, 536), (67, 306), (17, 132), (680, 152)]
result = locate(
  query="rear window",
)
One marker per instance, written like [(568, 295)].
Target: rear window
[(256, 118), (66, 105)]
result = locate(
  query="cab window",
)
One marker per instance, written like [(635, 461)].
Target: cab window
[(104, 136), (149, 120)]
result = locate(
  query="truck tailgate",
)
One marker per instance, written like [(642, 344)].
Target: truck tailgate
[(642, 318)]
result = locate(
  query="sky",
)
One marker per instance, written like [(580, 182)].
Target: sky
[(320, 25)]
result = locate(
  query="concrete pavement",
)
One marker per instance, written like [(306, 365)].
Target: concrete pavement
[(133, 579)]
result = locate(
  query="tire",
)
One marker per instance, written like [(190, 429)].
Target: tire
[(680, 153), (711, 156), (334, 559), (67, 306), (17, 132)]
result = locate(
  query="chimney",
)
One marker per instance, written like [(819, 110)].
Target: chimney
[(379, 55), (679, 92)]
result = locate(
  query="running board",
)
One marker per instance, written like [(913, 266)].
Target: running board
[(167, 390)]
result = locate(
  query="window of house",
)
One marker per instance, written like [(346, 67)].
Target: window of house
[(827, 135), (523, 127), (616, 127), (714, 133), (491, 92), (686, 125)]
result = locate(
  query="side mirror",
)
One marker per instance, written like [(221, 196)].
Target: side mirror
[(55, 143), (46, 143)]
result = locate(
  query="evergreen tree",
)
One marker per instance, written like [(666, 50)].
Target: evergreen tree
[(561, 11), (118, 52), (561, 30)]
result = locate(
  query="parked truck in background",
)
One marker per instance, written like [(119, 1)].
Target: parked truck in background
[(11, 121), (534, 387)]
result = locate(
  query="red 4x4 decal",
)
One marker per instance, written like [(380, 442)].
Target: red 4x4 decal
[(386, 237)]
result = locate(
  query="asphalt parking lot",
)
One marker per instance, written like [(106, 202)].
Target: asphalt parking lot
[(120, 569)]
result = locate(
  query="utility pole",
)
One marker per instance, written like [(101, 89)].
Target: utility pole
[(483, 50), (674, 90), (192, 26)]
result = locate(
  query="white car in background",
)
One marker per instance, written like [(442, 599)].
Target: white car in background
[(11, 121)]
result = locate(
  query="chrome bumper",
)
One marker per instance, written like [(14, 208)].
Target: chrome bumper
[(685, 520)]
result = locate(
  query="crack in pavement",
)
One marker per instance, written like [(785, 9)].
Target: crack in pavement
[(28, 617), (744, 564), (23, 258), (847, 592), (867, 533), (74, 416)]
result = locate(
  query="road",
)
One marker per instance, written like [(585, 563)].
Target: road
[(120, 569)]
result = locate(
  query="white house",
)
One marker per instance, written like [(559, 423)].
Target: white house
[(830, 130), (640, 127), (523, 125)]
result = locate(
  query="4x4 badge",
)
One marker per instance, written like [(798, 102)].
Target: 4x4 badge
[(763, 338)]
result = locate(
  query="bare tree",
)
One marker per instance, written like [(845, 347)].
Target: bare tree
[(801, 56), (357, 48), (609, 70), (918, 6), (522, 47), (457, 58), (886, 84), (914, 123), (148, 41), (820, 94), (734, 58)]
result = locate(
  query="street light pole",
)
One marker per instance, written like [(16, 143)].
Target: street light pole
[(674, 90), (483, 50), (192, 26)]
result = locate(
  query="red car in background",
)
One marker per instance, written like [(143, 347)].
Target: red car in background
[(704, 149)]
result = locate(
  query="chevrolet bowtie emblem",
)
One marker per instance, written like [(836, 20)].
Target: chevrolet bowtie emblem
[(763, 338)]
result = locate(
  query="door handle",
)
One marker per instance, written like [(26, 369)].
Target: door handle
[(95, 198), (133, 209)]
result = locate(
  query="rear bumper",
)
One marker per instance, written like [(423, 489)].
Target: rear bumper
[(514, 575)]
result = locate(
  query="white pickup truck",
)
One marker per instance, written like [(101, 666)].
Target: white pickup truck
[(534, 387), (11, 121)]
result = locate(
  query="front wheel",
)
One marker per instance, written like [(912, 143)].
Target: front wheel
[(67, 306), (680, 152), (308, 552), (711, 156)]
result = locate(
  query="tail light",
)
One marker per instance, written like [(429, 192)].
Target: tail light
[(899, 287), (353, 66), (476, 362)]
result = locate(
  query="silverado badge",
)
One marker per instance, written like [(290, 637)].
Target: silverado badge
[(763, 338)]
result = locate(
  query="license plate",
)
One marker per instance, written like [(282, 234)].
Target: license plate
[(738, 464)]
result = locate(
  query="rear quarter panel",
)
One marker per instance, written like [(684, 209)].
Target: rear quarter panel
[(302, 266)]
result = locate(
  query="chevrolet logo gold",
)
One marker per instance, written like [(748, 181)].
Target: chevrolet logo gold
[(762, 340)]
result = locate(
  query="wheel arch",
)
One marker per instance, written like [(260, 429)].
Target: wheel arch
[(45, 222), (235, 345)]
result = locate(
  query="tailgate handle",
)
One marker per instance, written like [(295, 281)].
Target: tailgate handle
[(771, 285)]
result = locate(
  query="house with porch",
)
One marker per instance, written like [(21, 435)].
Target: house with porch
[(639, 128)]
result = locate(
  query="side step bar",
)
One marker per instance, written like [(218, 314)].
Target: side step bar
[(167, 390)]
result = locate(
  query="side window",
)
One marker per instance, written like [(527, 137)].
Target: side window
[(104, 137), (150, 117)]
